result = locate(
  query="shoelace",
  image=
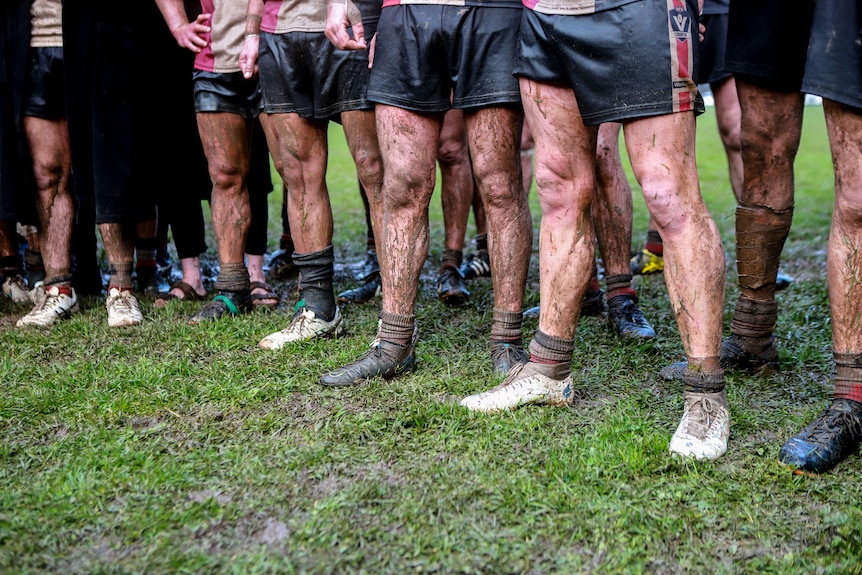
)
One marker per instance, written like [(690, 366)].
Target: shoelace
[(43, 302), (300, 320), (708, 408), (834, 421), (123, 302)]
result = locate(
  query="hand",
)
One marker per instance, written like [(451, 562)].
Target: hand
[(371, 50), (341, 15), (248, 56), (191, 34)]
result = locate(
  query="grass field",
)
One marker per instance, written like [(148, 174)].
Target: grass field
[(169, 448)]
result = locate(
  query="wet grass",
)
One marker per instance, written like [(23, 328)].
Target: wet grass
[(176, 449)]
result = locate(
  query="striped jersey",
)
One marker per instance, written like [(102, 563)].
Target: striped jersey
[(224, 41)]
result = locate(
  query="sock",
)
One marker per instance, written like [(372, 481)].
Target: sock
[(481, 242), (593, 287), (121, 276), (233, 277), (316, 271), (396, 328), (552, 354), (848, 382), (507, 326), (755, 320), (654, 242), (452, 259), (620, 285), (696, 381)]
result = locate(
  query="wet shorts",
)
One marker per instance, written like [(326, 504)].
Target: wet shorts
[(633, 61), (303, 73), (767, 41), (833, 69), (226, 92), (45, 95), (712, 70), (425, 53)]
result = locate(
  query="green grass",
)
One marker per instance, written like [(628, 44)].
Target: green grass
[(169, 448)]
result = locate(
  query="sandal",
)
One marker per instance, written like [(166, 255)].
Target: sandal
[(224, 303), (263, 299), (189, 294)]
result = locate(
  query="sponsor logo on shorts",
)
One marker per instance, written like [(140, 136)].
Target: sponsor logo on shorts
[(680, 23)]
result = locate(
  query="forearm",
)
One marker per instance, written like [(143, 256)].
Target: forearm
[(174, 14), (254, 14)]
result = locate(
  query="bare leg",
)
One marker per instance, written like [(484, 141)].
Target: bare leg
[(663, 159), (845, 236), (612, 208), (361, 132), (729, 117), (837, 431), (408, 183), (528, 148), (227, 142), (494, 136), (456, 174), (301, 147), (771, 129), (49, 147), (565, 180), (408, 148), (457, 188), (612, 217)]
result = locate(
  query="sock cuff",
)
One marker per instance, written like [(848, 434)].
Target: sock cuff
[(550, 348), (697, 381), (452, 258), (507, 325), (233, 277)]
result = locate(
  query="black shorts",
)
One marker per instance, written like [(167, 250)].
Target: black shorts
[(633, 61), (427, 54), (226, 92), (303, 73), (97, 49), (712, 70), (833, 68), (767, 41), (45, 94)]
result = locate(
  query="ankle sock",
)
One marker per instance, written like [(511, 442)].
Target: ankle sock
[(848, 381)]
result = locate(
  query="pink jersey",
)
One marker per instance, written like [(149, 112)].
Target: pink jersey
[(283, 16), (224, 42)]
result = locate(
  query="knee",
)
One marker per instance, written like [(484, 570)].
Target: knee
[(848, 209), (452, 153)]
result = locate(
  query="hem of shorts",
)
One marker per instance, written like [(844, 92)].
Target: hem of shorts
[(848, 99), (302, 113), (489, 100), (222, 110), (351, 106), (500, 99), (633, 113)]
